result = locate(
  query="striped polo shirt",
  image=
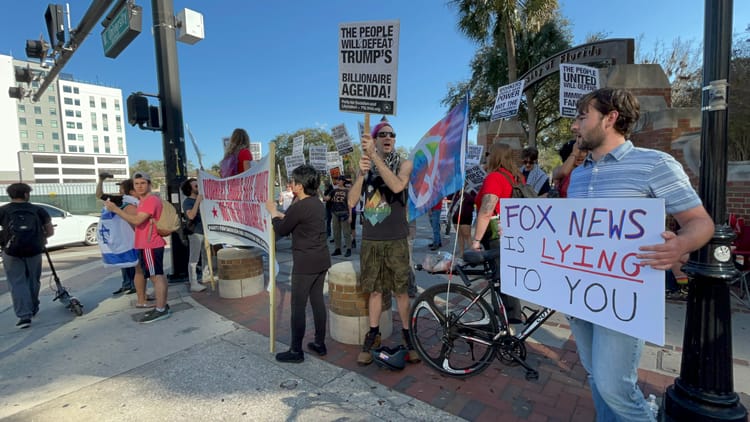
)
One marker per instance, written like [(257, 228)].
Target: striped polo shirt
[(630, 172)]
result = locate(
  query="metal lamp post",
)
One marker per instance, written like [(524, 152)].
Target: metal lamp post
[(705, 388)]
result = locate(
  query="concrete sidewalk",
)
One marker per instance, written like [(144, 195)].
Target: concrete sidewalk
[(196, 365)]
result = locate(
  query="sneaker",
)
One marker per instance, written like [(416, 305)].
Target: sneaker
[(290, 356), (155, 315), (348, 253), (434, 247), (412, 356), (337, 252), (121, 290), (23, 323), (372, 341), (130, 292), (677, 294), (320, 349)]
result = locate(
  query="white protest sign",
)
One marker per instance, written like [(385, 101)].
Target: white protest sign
[(368, 66), (341, 139), (334, 160), (577, 256), (292, 162), (576, 80), (319, 157), (475, 177), (474, 154), (507, 101), (298, 145)]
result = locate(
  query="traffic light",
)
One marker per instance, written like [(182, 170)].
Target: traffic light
[(16, 92), (55, 25), (138, 110), (23, 74), (36, 49)]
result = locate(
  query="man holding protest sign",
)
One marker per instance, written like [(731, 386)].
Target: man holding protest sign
[(383, 178), (617, 169)]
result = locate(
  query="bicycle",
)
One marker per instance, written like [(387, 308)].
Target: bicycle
[(458, 333)]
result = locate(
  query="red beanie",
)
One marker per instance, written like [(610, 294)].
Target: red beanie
[(377, 128)]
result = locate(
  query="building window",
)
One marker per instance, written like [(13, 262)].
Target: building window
[(55, 136), (69, 113), (51, 99), (37, 110), (117, 105), (104, 103), (53, 112), (119, 140), (22, 108), (106, 140), (78, 113), (39, 134), (95, 138), (92, 102), (38, 122), (79, 125), (35, 84), (22, 121), (72, 148), (53, 123), (79, 137), (80, 149), (76, 91), (56, 148), (71, 136), (77, 102), (106, 150), (70, 125), (25, 146), (67, 88), (121, 151), (68, 101), (96, 149), (24, 134), (40, 147)]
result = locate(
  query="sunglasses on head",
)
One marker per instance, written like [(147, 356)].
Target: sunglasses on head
[(386, 134)]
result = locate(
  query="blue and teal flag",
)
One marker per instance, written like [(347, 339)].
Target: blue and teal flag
[(439, 161)]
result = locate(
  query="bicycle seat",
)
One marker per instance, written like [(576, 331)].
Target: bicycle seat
[(480, 257)]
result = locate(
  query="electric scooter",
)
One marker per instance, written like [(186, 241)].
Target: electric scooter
[(61, 293)]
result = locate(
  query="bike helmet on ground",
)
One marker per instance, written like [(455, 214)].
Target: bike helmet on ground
[(390, 358)]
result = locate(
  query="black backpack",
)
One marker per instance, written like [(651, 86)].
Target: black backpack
[(23, 233)]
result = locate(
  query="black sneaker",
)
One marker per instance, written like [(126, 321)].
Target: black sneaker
[(290, 356), (23, 323), (320, 349), (130, 292), (154, 315), (337, 252), (121, 290), (348, 253), (372, 341)]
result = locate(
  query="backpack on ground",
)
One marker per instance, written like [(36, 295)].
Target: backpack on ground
[(520, 190), (23, 235), (228, 166), (169, 221)]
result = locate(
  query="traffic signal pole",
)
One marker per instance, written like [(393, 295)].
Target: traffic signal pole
[(173, 134)]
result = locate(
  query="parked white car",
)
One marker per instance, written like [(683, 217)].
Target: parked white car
[(70, 228)]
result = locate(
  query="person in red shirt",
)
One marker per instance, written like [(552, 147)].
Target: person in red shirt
[(239, 145), (149, 244), (501, 169)]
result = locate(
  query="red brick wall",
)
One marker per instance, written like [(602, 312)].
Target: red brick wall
[(738, 198)]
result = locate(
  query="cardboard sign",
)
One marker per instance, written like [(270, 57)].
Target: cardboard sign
[(368, 66), (474, 154), (576, 80), (342, 140), (319, 157), (507, 101), (577, 256), (292, 162), (298, 145)]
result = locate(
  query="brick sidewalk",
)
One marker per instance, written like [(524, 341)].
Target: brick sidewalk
[(499, 393)]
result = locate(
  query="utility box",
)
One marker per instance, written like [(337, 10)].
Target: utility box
[(190, 26)]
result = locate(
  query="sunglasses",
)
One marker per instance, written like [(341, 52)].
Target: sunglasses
[(386, 134)]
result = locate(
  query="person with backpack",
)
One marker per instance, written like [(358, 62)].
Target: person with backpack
[(237, 156), (191, 207), (26, 228), (497, 185), (148, 242)]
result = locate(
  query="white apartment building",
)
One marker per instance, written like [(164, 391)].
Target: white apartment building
[(75, 131)]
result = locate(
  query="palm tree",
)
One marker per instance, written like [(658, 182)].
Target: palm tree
[(498, 21)]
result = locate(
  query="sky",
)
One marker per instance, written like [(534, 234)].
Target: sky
[(271, 67)]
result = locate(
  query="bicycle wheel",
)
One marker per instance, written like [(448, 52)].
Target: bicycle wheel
[(452, 334)]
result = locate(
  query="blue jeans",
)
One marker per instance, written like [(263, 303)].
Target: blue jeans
[(435, 223), (611, 359)]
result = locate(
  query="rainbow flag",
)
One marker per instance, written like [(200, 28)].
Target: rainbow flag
[(439, 161)]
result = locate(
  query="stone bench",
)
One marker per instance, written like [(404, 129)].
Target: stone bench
[(348, 305), (240, 272)]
